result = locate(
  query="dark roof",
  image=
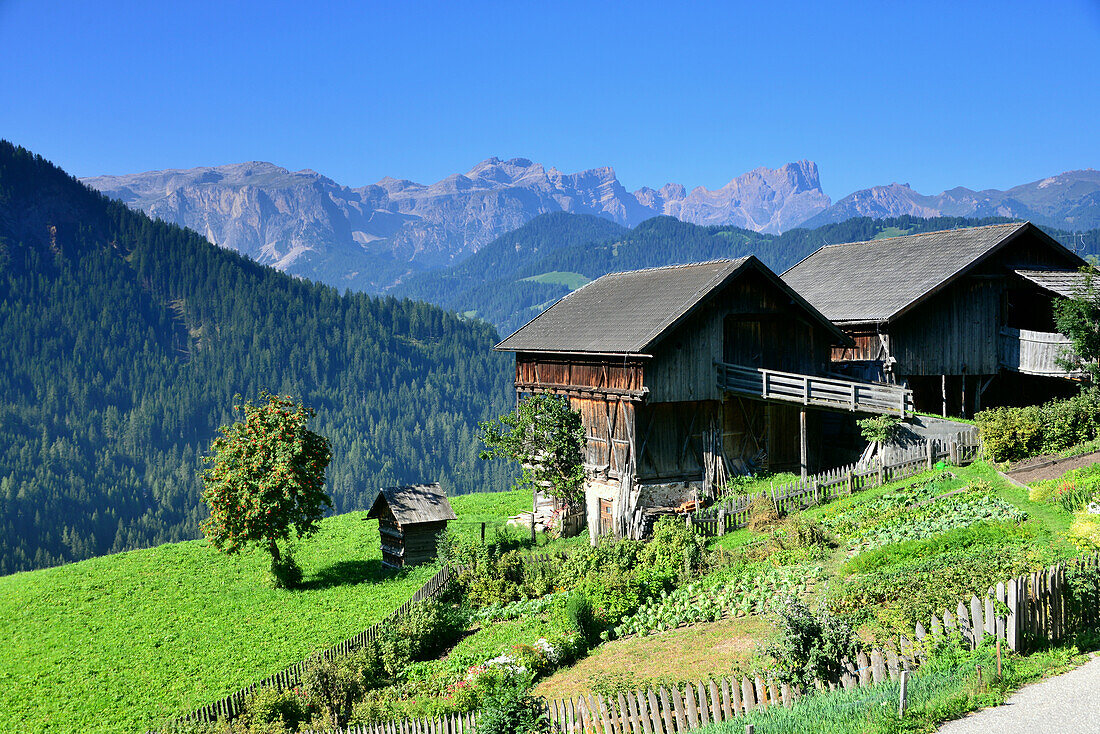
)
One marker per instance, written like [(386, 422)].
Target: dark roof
[(881, 279), (627, 313), (414, 503), (1066, 283)]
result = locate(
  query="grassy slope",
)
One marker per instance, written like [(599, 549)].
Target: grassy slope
[(123, 642)]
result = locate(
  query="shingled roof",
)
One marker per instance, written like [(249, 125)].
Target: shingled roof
[(627, 313), (1067, 283), (414, 503), (878, 280)]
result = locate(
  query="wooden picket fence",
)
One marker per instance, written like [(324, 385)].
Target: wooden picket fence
[(731, 513), (1036, 606), (233, 705)]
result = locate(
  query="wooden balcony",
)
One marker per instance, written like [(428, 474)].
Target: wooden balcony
[(816, 392), (1034, 352)]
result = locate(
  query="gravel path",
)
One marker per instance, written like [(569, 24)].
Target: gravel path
[(1065, 704)]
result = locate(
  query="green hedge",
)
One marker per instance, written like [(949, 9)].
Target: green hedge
[(1016, 433)]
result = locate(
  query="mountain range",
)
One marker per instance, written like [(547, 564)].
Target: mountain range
[(374, 237)]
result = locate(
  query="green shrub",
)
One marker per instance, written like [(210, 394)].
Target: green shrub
[(334, 686), (581, 617), (1084, 532), (271, 709), (285, 573), (608, 554), (430, 627), (511, 710), (810, 646), (673, 543), (1009, 434)]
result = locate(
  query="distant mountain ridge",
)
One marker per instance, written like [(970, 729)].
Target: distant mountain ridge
[(377, 236)]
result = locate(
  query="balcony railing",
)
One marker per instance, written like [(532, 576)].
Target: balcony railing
[(815, 391)]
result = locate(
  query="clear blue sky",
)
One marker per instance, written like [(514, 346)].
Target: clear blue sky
[(936, 94)]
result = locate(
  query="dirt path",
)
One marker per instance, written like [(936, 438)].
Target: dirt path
[(1051, 468)]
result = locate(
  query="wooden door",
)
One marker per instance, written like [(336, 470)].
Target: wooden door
[(607, 521)]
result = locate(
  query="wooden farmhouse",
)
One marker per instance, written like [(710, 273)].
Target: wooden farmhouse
[(963, 317), (409, 519), (684, 373)]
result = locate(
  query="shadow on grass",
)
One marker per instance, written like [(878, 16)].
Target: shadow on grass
[(346, 573)]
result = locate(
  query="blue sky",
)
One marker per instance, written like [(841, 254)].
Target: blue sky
[(986, 95)]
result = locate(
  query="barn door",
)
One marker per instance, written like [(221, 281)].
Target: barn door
[(741, 343)]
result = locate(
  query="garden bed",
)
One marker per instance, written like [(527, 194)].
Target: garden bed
[(1049, 466)]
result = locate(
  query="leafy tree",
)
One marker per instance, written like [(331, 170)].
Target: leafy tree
[(267, 476), (546, 436), (1079, 319)]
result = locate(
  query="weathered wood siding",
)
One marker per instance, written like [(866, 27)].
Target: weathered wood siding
[(955, 332), (762, 325), (420, 542), (670, 439), (613, 373), (609, 430), (869, 347)]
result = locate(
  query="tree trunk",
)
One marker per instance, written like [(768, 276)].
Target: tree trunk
[(273, 548)]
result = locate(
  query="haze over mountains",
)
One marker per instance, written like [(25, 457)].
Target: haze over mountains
[(373, 237)]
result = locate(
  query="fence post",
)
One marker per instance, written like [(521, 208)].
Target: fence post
[(881, 470), (928, 443), (902, 692)]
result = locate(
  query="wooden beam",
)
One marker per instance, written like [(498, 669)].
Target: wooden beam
[(582, 391), (804, 449)]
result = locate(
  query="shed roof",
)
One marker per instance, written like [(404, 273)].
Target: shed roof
[(627, 313), (879, 280), (414, 503), (1066, 283)]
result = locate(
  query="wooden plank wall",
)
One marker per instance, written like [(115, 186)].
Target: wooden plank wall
[(954, 333), (609, 430), (615, 373), (682, 369)]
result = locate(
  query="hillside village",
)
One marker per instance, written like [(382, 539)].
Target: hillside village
[(549, 368), (883, 443)]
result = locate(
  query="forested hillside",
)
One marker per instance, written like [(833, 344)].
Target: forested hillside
[(123, 341), (512, 279)]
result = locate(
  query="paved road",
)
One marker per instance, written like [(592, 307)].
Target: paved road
[(1067, 704)]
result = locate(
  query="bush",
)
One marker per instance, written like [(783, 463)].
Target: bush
[(673, 543), (1009, 434), (334, 686), (285, 572), (430, 627), (511, 710), (810, 646), (271, 709), (581, 617), (1084, 531)]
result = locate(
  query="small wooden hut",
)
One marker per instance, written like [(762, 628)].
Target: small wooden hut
[(409, 519)]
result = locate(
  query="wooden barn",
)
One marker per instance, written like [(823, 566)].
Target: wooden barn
[(963, 317), (409, 519), (684, 373)]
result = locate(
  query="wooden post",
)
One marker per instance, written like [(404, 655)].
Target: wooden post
[(928, 446), (534, 509), (962, 408), (903, 691), (483, 533), (805, 449), (943, 392)]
